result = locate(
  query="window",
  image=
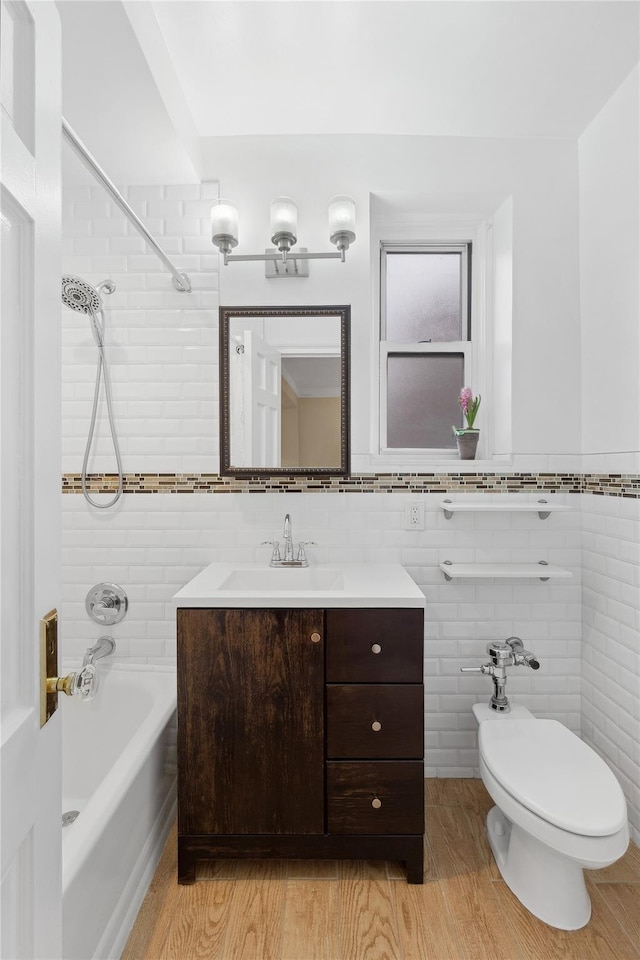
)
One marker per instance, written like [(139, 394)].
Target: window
[(425, 344)]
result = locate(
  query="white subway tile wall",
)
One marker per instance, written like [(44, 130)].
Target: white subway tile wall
[(153, 543), (162, 346), (611, 639)]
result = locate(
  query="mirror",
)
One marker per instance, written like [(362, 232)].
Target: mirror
[(284, 390)]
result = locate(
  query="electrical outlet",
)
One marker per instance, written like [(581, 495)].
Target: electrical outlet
[(414, 515)]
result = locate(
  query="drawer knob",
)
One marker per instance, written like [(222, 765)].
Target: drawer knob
[(315, 637), (376, 803), (376, 648), (376, 726)]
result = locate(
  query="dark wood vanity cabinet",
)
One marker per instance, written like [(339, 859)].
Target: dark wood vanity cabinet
[(300, 734)]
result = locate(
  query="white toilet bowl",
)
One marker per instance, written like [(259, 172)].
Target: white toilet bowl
[(559, 809)]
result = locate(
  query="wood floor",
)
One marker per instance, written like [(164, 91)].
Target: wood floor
[(314, 910)]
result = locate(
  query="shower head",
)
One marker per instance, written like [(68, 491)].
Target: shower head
[(80, 295), (83, 298)]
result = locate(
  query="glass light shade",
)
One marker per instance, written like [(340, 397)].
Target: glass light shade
[(342, 216), (224, 219), (284, 216)]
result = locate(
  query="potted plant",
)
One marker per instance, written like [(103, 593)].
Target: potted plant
[(467, 437)]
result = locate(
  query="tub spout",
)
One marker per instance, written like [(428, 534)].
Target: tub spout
[(103, 648)]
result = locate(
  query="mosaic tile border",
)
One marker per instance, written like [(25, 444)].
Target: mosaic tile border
[(602, 484)]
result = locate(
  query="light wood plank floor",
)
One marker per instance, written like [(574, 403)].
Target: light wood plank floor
[(323, 910)]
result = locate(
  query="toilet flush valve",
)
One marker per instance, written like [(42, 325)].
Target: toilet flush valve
[(507, 653), (522, 657)]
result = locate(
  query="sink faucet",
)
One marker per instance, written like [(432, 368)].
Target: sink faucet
[(102, 648), (286, 536), (286, 558)]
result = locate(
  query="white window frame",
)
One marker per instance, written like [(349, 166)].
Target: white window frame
[(388, 348)]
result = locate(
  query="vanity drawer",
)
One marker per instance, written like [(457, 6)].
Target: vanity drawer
[(383, 720), (383, 797), (374, 646)]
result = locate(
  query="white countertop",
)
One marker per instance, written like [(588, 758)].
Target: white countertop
[(319, 585)]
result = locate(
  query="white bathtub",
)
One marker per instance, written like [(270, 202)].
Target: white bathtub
[(118, 770)]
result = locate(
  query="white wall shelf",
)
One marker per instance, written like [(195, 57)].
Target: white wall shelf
[(539, 571), (541, 507)]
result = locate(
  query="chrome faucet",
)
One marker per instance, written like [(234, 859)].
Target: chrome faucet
[(507, 653), (102, 648), (286, 536), (288, 559)]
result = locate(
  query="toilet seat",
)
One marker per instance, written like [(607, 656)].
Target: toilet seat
[(554, 774)]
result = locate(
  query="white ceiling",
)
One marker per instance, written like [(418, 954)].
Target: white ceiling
[(313, 376), (480, 69), (145, 81)]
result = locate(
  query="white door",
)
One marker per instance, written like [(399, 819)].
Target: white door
[(30, 114), (262, 402)]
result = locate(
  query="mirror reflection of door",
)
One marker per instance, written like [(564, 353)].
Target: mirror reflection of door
[(285, 389), (255, 401), (310, 410)]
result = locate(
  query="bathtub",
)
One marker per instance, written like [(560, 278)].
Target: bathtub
[(118, 771)]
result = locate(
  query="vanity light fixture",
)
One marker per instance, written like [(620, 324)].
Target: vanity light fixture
[(284, 229)]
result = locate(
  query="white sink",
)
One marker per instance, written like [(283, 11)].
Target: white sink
[(282, 578), (238, 585)]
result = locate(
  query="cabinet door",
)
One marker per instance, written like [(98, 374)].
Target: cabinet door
[(251, 721)]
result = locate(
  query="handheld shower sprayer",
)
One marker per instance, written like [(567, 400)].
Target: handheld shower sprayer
[(81, 297)]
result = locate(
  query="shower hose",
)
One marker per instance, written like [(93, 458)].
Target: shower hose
[(102, 373)]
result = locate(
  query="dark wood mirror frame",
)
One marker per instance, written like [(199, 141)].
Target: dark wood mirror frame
[(227, 314)]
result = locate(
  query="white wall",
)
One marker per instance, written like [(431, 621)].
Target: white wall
[(540, 176), (501, 299), (609, 161)]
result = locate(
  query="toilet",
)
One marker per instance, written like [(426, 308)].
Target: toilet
[(559, 810)]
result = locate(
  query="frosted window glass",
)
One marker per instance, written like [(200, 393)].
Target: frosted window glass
[(423, 297), (422, 399)]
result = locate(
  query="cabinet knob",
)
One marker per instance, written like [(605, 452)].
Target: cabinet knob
[(376, 803), (376, 648), (376, 726), (315, 637)]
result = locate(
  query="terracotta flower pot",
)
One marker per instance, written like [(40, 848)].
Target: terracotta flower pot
[(467, 441)]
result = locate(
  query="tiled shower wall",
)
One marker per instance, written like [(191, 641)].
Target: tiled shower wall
[(163, 351), (161, 344)]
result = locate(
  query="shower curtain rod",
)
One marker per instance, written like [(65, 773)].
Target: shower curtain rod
[(181, 281)]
